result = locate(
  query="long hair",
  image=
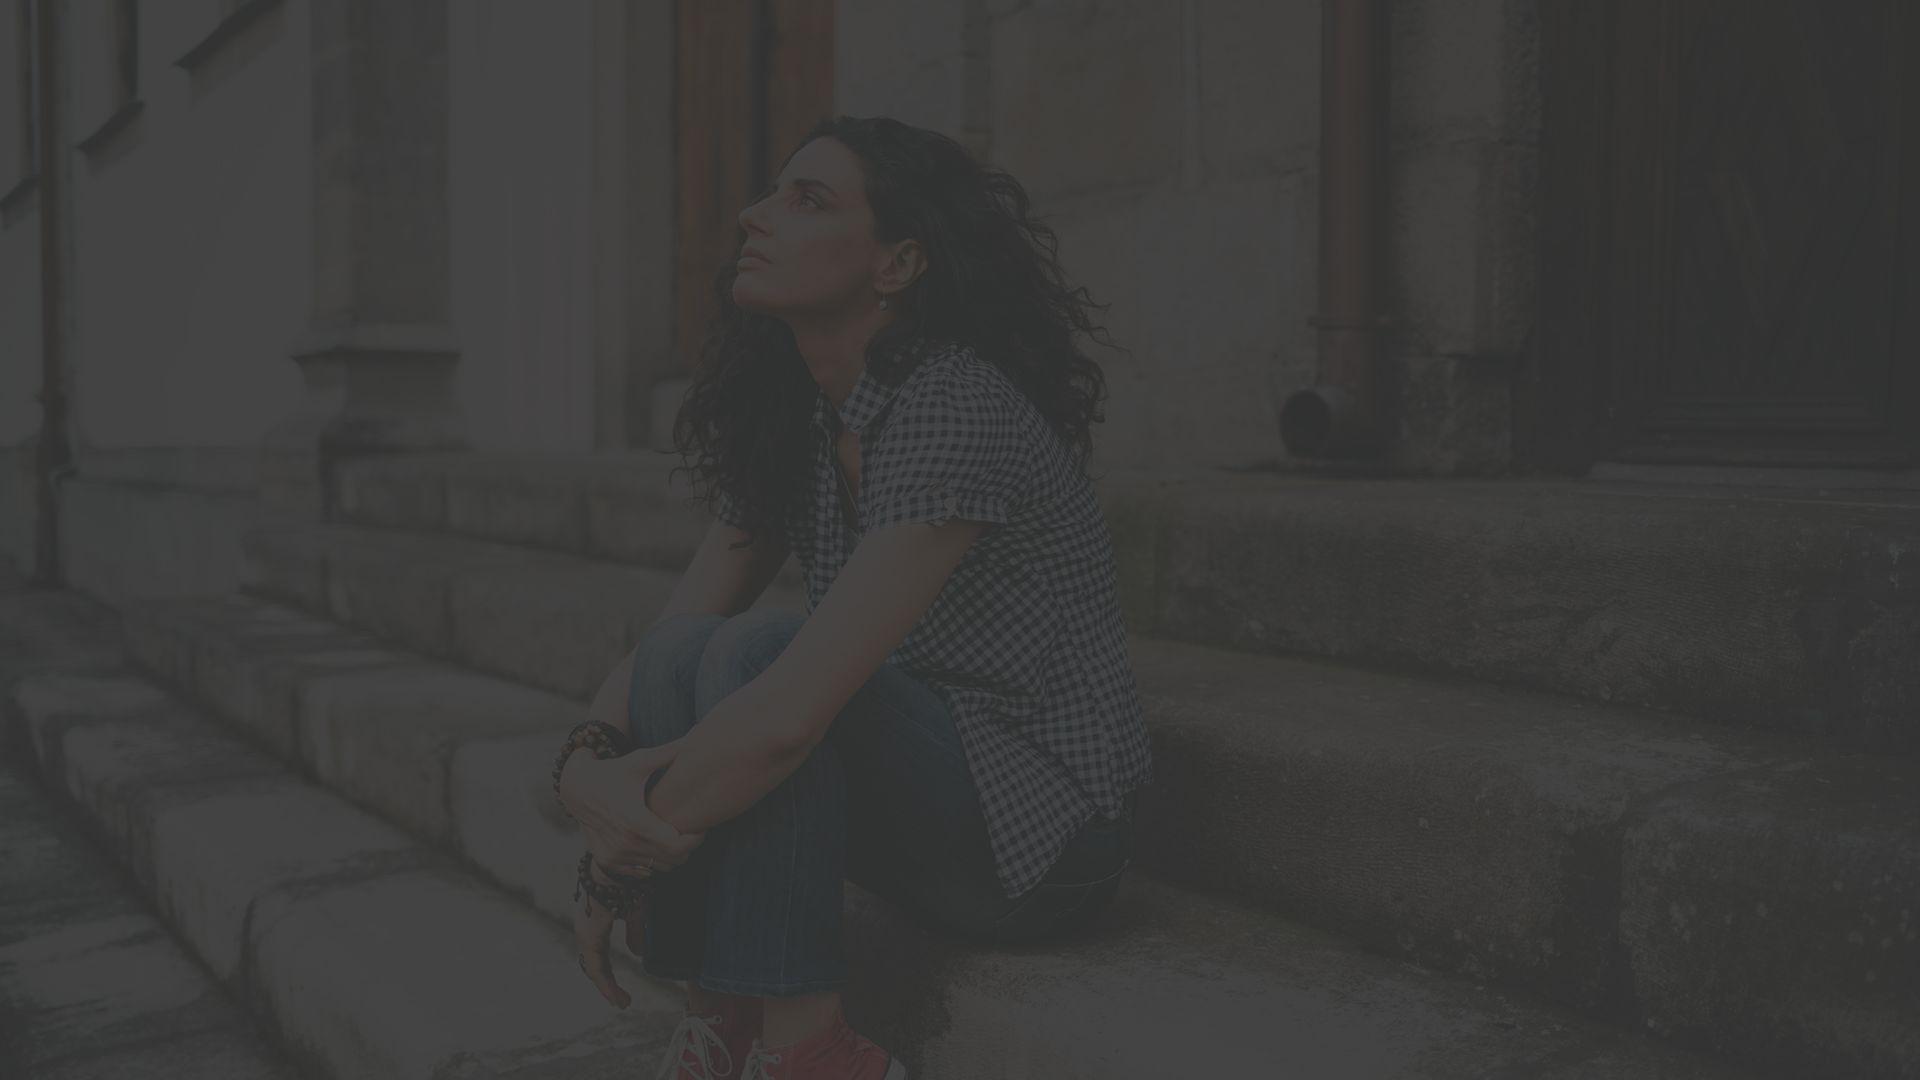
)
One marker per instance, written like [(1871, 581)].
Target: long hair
[(993, 282)]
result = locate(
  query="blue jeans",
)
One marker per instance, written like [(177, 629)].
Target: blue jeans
[(884, 800)]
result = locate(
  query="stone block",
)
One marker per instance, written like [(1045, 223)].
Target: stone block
[(125, 772), (1091, 73), (397, 587), (395, 491), (424, 974), (254, 685), (385, 737), (1465, 828), (287, 563), (215, 856), (506, 822), (529, 503), (42, 707), (1775, 914), (642, 512), (112, 980), (555, 623), (1740, 608)]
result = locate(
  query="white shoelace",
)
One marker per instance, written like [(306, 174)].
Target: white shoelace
[(695, 1033), (756, 1070)]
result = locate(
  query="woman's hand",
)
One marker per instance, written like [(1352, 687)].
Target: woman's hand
[(607, 796), (593, 933)]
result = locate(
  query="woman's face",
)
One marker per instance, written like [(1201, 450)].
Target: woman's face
[(815, 231)]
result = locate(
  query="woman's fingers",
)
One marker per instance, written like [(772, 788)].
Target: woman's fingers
[(593, 934)]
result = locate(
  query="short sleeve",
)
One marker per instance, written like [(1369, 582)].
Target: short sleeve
[(951, 450)]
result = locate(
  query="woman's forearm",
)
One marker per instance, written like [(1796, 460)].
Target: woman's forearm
[(610, 702), (730, 759)]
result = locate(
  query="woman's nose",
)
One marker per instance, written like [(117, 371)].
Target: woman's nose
[(750, 217)]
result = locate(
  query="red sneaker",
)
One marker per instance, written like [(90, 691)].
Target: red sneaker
[(714, 1045), (837, 1053)]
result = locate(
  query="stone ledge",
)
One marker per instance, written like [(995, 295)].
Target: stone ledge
[(356, 943), (1757, 608), (1467, 828), (372, 971)]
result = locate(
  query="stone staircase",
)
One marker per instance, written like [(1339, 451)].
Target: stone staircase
[(1372, 851)]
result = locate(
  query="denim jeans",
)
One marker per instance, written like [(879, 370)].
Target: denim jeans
[(884, 800)]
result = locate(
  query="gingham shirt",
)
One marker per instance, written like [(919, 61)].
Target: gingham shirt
[(1025, 642)]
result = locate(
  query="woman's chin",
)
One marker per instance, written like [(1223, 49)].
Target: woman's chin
[(748, 298)]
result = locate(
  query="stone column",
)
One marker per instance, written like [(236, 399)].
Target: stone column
[(378, 355)]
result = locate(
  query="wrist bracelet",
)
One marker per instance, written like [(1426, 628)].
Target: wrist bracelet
[(619, 899), (605, 740)]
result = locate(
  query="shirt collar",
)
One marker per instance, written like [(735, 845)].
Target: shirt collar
[(867, 400)]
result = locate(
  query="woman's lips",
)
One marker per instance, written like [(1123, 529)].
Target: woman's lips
[(748, 262)]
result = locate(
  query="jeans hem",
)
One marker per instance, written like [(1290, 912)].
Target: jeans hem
[(753, 988)]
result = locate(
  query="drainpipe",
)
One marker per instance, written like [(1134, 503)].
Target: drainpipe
[(1344, 414), (53, 456)]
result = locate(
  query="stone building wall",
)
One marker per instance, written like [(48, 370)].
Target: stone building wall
[(1174, 144)]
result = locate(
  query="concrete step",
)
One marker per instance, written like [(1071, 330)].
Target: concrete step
[(91, 983), (378, 957), (1759, 608), (1577, 852)]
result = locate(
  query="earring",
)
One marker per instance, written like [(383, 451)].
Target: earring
[(883, 303)]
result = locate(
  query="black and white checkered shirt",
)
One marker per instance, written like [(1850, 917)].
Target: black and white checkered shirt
[(1025, 642)]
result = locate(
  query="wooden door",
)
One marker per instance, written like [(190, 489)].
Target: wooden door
[(751, 77), (1730, 257)]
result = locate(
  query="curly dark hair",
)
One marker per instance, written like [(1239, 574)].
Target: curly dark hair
[(993, 283)]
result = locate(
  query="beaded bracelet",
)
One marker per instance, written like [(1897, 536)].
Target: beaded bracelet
[(605, 740), (620, 900)]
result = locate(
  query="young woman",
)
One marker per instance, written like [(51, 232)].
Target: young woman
[(893, 394)]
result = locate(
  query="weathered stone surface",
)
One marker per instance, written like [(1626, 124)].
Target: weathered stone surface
[(287, 564), (557, 623), (316, 947), (1166, 984), (91, 985), (401, 491), (517, 501), (506, 822), (1466, 828), (424, 974), (1776, 912), (1744, 608), (1055, 65), (385, 736), (397, 586), (215, 855)]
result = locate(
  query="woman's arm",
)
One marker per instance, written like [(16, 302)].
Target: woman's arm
[(759, 734)]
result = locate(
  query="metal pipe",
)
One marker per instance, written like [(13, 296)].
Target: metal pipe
[(1343, 414), (53, 455)]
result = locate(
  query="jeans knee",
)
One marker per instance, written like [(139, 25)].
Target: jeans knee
[(747, 644), (664, 667)]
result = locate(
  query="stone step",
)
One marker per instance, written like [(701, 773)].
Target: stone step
[(378, 957), (1758, 608), (1576, 851), (91, 983)]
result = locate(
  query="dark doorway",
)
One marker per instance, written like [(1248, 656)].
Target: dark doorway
[(1731, 241)]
